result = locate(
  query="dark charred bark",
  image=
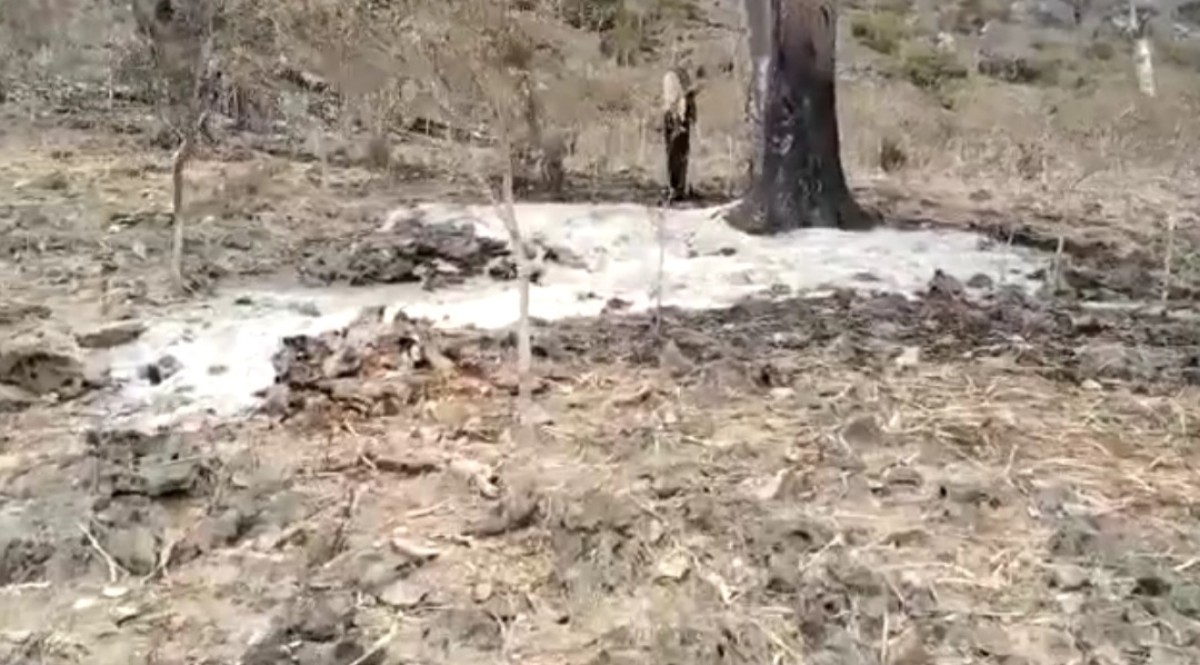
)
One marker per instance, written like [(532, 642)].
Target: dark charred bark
[(801, 183), (677, 140)]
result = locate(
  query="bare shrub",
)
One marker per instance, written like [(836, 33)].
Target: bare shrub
[(48, 47), (484, 78), (883, 32), (180, 37), (892, 156), (969, 16), (928, 68)]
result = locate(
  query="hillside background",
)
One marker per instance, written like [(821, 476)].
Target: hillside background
[(1063, 104), (1020, 114)]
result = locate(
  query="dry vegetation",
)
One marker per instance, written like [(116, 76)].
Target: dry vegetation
[(857, 479)]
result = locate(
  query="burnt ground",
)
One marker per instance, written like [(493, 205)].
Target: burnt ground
[(855, 479)]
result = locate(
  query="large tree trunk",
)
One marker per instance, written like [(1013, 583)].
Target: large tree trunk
[(801, 183)]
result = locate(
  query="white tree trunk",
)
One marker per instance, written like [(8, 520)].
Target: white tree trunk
[(506, 207), (1143, 62), (758, 24), (178, 165), (1143, 57)]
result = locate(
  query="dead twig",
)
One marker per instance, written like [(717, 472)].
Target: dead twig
[(1056, 278), (164, 558), (657, 215), (351, 507), (115, 570), (307, 521), (379, 644), (1168, 258), (781, 644)]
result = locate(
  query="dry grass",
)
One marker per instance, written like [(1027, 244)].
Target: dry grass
[(946, 488), (937, 509), (989, 442)]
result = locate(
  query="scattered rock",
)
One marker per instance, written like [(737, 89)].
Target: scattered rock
[(370, 570), (113, 335), (1009, 55), (1151, 585), (673, 567), (277, 401), (598, 510), (403, 594), (757, 488), (518, 510), (53, 181), (1185, 599), (482, 592), (122, 614), (478, 475), (372, 366), (861, 433), (908, 538), (43, 362), (980, 281), (114, 592), (344, 652), (317, 631), (910, 356), (160, 370), (672, 359), (12, 313), (473, 627), (1117, 360), (153, 466), (614, 305), (14, 399), (909, 649), (23, 558), (1068, 578), (902, 476), (991, 642), (134, 546), (211, 533), (945, 286), (1075, 538), (969, 493), (309, 309)]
